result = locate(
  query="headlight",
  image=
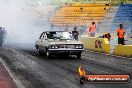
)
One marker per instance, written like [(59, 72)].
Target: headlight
[(79, 46), (54, 46)]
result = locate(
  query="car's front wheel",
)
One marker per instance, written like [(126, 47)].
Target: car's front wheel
[(78, 55), (39, 51), (48, 55)]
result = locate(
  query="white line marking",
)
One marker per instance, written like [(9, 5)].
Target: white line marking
[(15, 79)]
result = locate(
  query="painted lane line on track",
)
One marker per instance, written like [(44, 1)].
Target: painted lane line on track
[(15, 79)]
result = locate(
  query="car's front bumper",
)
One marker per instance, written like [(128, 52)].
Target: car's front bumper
[(65, 51)]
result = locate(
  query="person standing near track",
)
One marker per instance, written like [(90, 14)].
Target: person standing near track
[(92, 29), (75, 33), (1, 36), (120, 34)]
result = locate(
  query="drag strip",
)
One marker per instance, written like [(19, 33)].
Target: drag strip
[(36, 71)]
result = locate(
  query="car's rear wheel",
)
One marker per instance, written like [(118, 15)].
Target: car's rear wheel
[(78, 55)]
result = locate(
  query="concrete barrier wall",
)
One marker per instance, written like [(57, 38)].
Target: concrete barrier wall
[(96, 44), (123, 50)]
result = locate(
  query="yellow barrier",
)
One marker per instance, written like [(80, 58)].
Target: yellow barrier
[(96, 44), (123, 50)]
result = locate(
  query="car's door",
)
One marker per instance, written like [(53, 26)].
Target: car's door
[(41, 42), (44, 41)]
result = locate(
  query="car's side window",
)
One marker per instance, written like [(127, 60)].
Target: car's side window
[(45, 36), (41, 36)]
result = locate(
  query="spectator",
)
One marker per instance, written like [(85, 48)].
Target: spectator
[(1, 36), (92, 29), (106, 7), (120, 34), (75, 33), (107, 35)]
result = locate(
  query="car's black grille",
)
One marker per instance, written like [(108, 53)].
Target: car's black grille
[(67, 46)]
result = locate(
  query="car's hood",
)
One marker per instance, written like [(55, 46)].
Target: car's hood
[(64, 42)]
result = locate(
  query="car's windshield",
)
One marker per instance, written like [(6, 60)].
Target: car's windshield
[(60, 35)]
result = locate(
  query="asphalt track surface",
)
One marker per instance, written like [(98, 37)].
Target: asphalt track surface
[(35, 71)]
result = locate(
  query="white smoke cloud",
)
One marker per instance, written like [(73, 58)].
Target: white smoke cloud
[(24, 20)]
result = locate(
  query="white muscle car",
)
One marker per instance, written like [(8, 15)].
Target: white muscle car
[(58, 42)]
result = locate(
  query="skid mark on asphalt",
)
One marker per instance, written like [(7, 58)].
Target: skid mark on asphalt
[(72, 64), (57, 72)]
